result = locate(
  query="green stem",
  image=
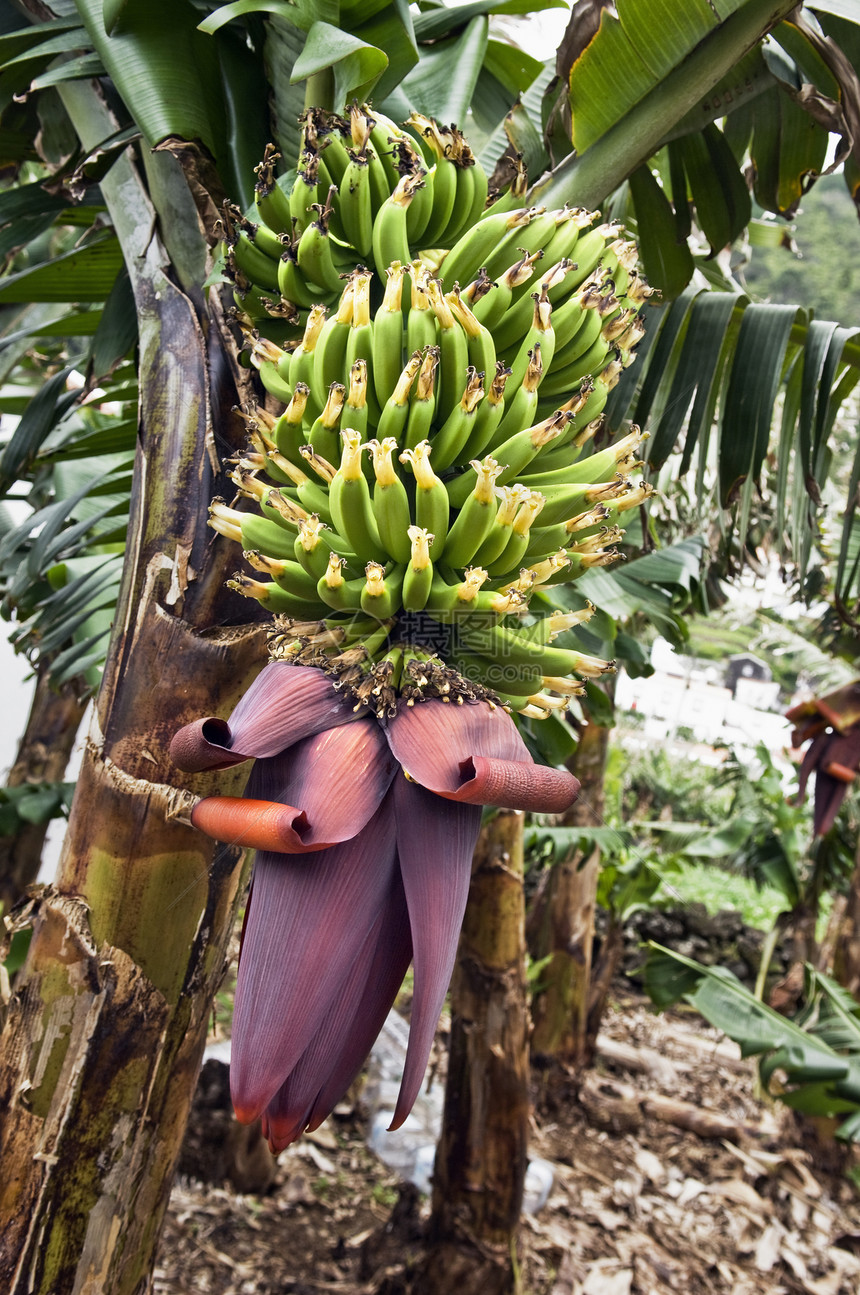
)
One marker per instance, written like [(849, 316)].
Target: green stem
[(319, 90), (587, 178), (766, 958)]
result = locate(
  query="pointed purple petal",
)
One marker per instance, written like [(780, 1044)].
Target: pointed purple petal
[(335, 1057), (284, 704), (435, 843), (841, 749), (309, 919), (474, 753), (337, 778)]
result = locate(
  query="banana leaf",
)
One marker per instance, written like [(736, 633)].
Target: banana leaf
[(819, 1054)]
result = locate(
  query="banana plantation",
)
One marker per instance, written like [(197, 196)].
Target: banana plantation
[(372, 392)]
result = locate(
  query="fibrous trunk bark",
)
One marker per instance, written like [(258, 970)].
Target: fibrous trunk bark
[(481, 1158), (565, 923), (104, 1034), (846, 954), (43, 754)]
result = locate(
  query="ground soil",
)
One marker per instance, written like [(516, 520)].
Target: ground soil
[(638, 1206)]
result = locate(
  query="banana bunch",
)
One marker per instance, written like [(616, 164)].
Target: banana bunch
[(432, 474)]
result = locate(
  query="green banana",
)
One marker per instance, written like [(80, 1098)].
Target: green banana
[(273, 598), (479, 340), (518, 540), (474, 522), (349, 500), (380, 596), (421, 321), (273, 205), (288, 435), (520, 410), (448, 442), (330, 350), (337, 593), (355, 206), (314, 253), (294, 287), (395, 412), (388, 335), (478, 244), (489, 416), (355, 412), (431, 497), (453, 348), (324, 435), (444, 172), (418, 578), (305, 192), (540, 334), (390, 501), (492, 306), (302, 358), (390, 241), (422, 407)]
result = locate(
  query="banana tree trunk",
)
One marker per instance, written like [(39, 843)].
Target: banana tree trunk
[(846, 954), (103, 1036), (565, 931), (43, 754), (481, 1158)]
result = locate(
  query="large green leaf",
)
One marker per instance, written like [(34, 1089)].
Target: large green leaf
[(163, 67), (524, 122), (430, 86), (818, 1078), (788, 151), (84, 67), (754, 380), (239, 8), (647, 38), (23, 37), (694, 376), (58, 43), (717, 187), (355, 65), (668, 263), (39, 416), (284, 42), (392, 30), (84, 274), (438, 21)]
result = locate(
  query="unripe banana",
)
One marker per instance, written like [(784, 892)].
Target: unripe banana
[(273, 598), (453, 349), (324, 435), (431, 497), (380, 596), (390, 240), (475, 520), (330, 352), (355, 206), (273, 205), (288, 434), (390, 501), (388, 335), (418, 578), (351, 508), (422, 407), (477, 245), (392, 420)]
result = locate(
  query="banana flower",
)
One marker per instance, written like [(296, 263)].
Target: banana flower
[(364, 830)]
